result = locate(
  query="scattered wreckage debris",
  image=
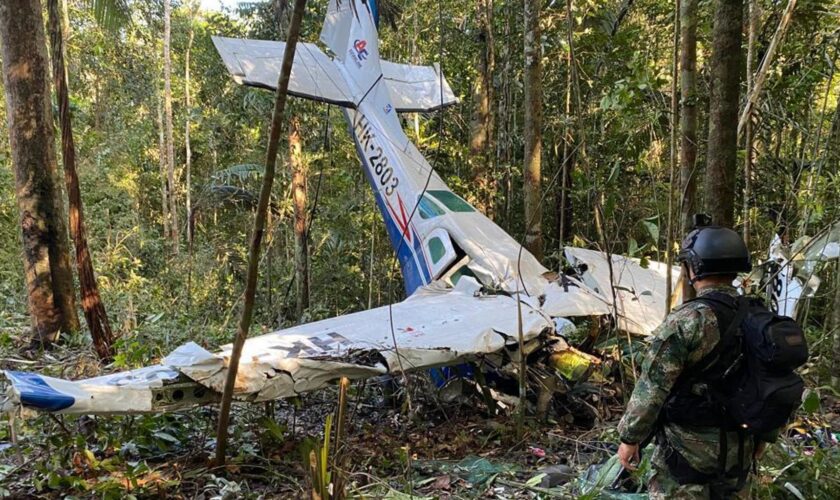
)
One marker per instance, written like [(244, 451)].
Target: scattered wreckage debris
[(466, 279), (435, 327)]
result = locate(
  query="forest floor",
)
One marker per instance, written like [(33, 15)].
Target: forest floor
[(438, 446)]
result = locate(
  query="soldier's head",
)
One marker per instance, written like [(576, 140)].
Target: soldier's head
[(713, 254)]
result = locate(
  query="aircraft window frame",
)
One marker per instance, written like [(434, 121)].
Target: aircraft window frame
[(428, 209), (451, 201), (437, 250)]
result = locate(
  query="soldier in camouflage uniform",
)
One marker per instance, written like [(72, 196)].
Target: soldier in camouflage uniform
[(687, 335)]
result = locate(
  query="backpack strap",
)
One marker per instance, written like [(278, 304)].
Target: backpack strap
[(730, 313)]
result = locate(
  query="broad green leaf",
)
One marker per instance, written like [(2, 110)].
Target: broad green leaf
[(811, 401), (652, 229), (535, 480)]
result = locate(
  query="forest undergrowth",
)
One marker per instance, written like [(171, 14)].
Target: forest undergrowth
[(610, 181)]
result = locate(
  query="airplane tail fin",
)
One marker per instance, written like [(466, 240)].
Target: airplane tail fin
[(350, 33)]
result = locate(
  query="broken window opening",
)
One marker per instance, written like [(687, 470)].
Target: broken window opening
[(451, 201)]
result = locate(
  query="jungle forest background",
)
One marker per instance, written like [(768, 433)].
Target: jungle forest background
[(605, 123)]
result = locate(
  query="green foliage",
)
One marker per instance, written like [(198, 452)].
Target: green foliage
[(110, 14), (157, 300), (316, 457)]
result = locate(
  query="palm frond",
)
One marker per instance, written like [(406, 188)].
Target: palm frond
[(111, 15)]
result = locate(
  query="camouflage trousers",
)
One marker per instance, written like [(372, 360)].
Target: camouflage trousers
[(662, 485)]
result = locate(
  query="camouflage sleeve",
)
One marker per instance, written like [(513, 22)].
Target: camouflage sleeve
[(664, 361)]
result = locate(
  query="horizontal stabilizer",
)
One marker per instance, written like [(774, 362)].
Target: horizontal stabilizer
[(256, 63)]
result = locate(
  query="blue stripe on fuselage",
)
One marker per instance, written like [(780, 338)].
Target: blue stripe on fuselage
[(415, 270)]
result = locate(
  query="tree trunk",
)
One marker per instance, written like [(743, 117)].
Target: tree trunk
[(187, 145), (31, 140), (299, 189), (833, 160), (721, 161), (688, 122), (482, 129), (675, 118), (94, 309), (835, 328), (164, 188), (564, 205), (533, 129), (259, 229), (167, 115), (752, 29)]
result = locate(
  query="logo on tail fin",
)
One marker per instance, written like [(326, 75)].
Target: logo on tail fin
[(359, 51)]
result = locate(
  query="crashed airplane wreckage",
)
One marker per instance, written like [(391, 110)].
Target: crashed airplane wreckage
[(467, 280)]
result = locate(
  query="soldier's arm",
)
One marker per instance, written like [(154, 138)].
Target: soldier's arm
[(664, 362)]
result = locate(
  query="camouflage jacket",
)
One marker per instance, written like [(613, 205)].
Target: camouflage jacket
[(686, 336)]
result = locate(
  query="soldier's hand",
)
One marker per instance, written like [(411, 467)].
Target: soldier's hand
[(628, 455)]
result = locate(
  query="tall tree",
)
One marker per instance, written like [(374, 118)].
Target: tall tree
[(46, 257), (752, 30), (162, 163), (563, 210), (94, 309), (722, 154), (532, 125), (688, 124), (482, 133), (833, 163), (299, 192), (688, 116), (193, 9), (167, 117), (675, 111), (259, 228)]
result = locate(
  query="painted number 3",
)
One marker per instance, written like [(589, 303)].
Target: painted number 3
[(384, 172)]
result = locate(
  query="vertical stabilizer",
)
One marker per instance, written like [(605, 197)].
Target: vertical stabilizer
[(350, 33)]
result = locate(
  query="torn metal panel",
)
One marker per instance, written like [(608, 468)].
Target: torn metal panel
[(431, 330), (568, 297), (639, 292)]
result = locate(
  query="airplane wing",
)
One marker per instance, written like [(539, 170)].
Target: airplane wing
[(256, 63), (432, 328), (639, 292)]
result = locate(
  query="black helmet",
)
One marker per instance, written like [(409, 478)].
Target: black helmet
[(714, 250)]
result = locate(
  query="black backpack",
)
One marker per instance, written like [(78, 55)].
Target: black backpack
[(749, 376)]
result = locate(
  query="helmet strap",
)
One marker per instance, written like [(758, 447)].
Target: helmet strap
[(688, 278)]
